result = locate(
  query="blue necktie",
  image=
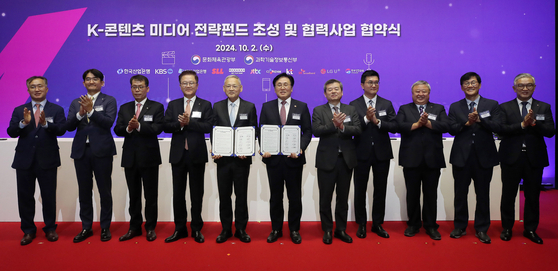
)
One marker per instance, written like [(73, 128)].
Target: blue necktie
[(472, 107), (524, 109), (231, 115)]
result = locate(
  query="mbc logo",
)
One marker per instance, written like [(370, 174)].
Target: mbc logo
[(217, 71)]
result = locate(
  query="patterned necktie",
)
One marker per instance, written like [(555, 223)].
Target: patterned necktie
[(472, 107), (524, 109), (283, 113), (187, 111), (37, 114), (371, 103), (231, 115), (138, 110), (421, 109), (336, 109)]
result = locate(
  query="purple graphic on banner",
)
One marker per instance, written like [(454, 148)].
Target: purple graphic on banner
[(30, 52)]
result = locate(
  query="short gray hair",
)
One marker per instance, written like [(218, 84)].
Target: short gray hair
[(421, 82), (523, 75), (233, 76)]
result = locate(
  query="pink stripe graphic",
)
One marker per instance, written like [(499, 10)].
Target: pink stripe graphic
[(30, 52)]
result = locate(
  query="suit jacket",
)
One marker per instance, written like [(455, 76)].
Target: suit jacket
[(371, 133), (513, 135), (480, 132), (332, 139), (270, 115), (141, 148), (37, 141), (220, 109), (98, 127), (195, 130), (422, 143)]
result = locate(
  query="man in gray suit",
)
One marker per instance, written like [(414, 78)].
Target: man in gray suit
[(335, 124)]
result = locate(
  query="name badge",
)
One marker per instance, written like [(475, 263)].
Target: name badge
[(243, 116), (539, 117), (347, 119), (382, 113), (99, 108), (51, 120), (196, 114), (296, 116), (147, 117), (432, 116), (485, 114)]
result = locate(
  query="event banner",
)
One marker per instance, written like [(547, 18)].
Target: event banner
[(405, 41)]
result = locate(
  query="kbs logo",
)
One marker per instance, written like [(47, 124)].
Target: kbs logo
[(255, 71), (163, 71), (217, 71)]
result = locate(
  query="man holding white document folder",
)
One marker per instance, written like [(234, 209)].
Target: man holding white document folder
[(233, 171), (285, 169)]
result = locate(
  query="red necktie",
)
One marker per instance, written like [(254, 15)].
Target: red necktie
[(37, 114), (283, 113), (138, 110)]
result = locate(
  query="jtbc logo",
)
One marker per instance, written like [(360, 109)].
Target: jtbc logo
[(255, 71), (217, 71), (160, 71)]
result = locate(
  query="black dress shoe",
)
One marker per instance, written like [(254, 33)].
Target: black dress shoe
[(506, 235), (242, 235), (150, 235), (532, 235), (456, 233), (27, 238), (105, 235), (51, 236), (343, 236), (361, 232), (434, 234), (177, 235), (327, 238), (198, 236), (274, 235), (129, 235), (84, 234), (411, 231), (377, 228), (295, 237), (483, 237), (224, 236)]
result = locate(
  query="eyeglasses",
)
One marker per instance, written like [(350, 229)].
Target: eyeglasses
[(528, 86), (33, 87), (332, 89), (371, 83), (94, 79), (231, 86), (138, 87), (186, 84), (472, 83)]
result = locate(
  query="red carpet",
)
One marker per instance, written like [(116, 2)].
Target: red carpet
[(396, 253)]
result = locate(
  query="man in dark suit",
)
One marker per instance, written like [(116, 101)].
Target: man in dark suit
[(188, 119), (93, 149), (473, 154), (233, 171), (377, 119), (335, 124), (37, 124), (139, 122), (523, 154), (421, 124), (286, 170)]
